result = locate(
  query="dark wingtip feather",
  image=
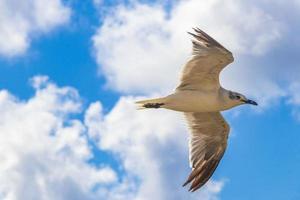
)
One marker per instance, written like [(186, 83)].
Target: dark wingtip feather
[(202, 36), (185, 183), (192, 34), (203, 171)]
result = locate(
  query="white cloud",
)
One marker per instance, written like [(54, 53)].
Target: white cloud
[(152, 147), (295, 99), (295, 88), (138, 45), (20, 20), (140, 49), (97, 3), (44, 151)]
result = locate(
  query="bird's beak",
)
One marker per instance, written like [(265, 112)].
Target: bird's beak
[(248, 101)]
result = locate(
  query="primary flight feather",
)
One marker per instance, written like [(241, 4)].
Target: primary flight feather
[(201, 98)]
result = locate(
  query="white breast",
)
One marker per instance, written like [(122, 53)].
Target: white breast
[(194, 101)]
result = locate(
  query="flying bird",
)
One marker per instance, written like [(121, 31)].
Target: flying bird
[(200, 97)]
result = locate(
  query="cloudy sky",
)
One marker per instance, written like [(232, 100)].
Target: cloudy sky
[(71, 70)]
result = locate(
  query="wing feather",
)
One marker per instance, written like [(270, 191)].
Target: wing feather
[(208, 141), (209, 58)]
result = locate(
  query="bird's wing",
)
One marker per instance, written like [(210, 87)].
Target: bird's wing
[(202, 71), (208, 141)]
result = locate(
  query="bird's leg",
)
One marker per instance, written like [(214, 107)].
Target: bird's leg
[(153, 105)]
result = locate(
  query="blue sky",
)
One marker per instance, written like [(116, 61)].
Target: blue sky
[(69, 77), (64, 55)]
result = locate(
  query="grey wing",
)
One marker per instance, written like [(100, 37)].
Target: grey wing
[(208, 141), (209, 58)]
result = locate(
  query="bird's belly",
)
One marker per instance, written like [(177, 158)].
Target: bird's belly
[(190, 101)]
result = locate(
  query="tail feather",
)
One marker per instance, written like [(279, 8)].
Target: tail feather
[(150, 103)]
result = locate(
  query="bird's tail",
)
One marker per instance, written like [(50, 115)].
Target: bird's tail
[(150, 103)]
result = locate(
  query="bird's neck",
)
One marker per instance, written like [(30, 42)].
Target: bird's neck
[(226, 101)]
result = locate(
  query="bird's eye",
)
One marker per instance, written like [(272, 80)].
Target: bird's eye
[(238, 97)]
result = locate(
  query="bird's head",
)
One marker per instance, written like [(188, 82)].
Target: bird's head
[(238, 99)]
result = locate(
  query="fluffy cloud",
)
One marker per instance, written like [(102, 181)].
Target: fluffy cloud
[(138, 45), (44, 151), (152, 148), (141, 48), (19, 20), (97, 2), (295, 99)]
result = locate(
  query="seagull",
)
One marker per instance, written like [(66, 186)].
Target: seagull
[(201, 98)]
